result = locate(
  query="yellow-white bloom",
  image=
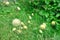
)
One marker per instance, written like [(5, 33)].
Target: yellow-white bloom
[(43, 26), (25, 27), (53, 22), (16, 22)]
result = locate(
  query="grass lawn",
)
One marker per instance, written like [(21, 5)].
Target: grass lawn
[(10, 12)]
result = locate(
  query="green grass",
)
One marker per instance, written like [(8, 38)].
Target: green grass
[(8, 13)]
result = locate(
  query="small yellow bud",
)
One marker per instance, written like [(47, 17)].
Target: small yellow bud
[(43, 26), (32, 14), (13, 29), (25, 27), (40, 31), (53, 22)]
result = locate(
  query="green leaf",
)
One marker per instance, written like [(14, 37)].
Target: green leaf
[(47, 1), (44, 13)]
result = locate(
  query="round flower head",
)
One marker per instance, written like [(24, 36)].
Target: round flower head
[(25, 27), (13, 29), (16, 22), (43, 26)]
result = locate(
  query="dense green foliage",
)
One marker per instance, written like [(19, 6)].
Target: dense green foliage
[(45, 11)]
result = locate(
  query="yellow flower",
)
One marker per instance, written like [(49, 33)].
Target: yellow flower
[(43, 26), (25, 27), (53, 22)]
